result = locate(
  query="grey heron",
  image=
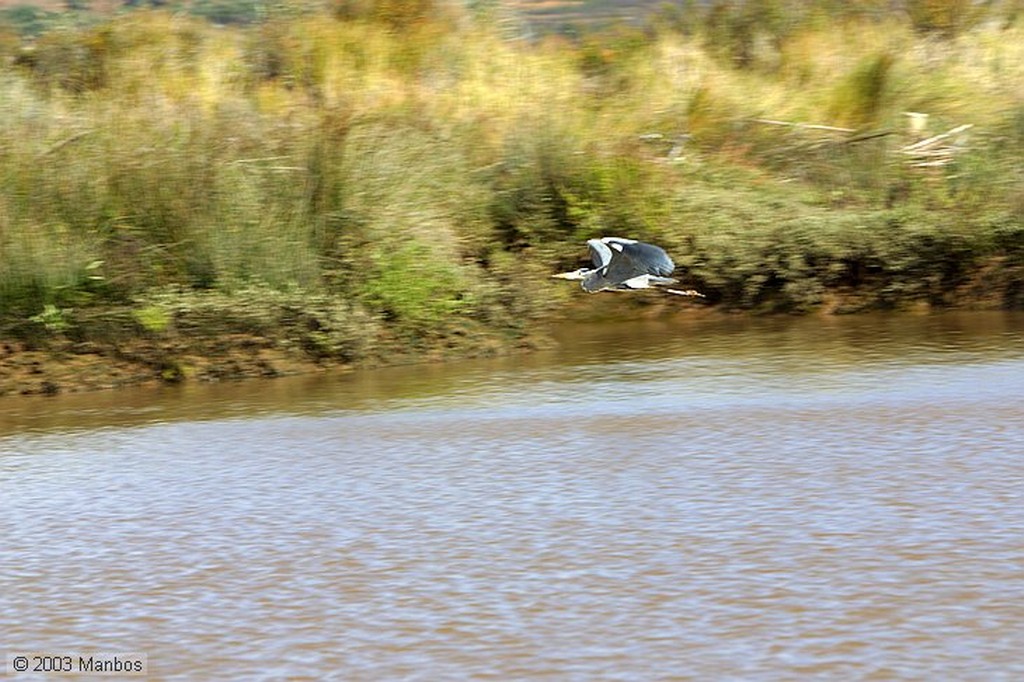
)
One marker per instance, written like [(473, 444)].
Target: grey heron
[(623, 264)]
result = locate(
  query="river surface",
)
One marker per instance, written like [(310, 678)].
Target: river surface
[(755, 499)]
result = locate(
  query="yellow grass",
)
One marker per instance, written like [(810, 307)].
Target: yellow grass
[(290, 152)]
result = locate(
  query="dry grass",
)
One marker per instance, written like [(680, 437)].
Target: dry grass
[(340, 157)]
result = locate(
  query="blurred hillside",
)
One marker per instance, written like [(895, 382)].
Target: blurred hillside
[(533, 16)]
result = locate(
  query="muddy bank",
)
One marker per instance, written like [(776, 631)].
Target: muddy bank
[(115, 354), (183, 354), (63, 366), (87, 366)]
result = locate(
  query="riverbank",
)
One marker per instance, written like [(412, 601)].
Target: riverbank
[(216, 337), (210, 346), (59, 365)]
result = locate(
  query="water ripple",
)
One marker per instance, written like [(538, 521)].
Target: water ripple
[(793, 509)]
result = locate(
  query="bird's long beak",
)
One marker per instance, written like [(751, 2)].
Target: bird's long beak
[(567, 275)]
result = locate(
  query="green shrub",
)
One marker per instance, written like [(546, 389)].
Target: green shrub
[(413, 287), (860, 99), (153, 318)]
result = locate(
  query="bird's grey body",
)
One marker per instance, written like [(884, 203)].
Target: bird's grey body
[(623, 264), (626, 264)]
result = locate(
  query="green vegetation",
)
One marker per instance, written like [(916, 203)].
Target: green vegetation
[(401, 174)]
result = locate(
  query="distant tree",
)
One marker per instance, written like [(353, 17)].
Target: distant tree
[(26, 19), (733, 29), (947, 18), (227, 11), (682, 16), (403, 14), (399, 15), (346, 10), (729, 33)]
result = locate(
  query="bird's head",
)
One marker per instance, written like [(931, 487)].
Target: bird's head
[(575, 275)]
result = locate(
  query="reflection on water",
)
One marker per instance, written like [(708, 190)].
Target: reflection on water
[(731, 499)]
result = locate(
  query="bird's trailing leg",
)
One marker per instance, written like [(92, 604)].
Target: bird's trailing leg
[(687, 292)]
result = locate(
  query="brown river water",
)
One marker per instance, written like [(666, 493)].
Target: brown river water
[(753, 499)]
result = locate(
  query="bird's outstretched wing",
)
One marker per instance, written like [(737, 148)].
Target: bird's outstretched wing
[(617, 260), (600, 253), (647, 259)]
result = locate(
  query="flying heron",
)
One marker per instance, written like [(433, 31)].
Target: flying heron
[(624, 264)]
